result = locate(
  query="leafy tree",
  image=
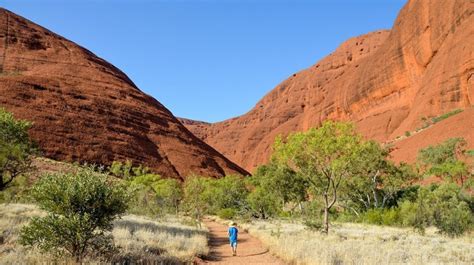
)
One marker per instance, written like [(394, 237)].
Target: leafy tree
[(197, 196), (324, 157), (169, 193), (274, 186), (282, 181), (447, 160), (376, 180), (264, 204), (16, 148), (229, 192), (81, 208)]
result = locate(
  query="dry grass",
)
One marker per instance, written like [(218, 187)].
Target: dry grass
[(140, 240), (361, 244)]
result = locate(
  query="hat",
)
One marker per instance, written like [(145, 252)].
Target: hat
[(232, 223)]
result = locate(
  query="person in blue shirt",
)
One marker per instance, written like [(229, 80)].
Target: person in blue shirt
[(233, 233)]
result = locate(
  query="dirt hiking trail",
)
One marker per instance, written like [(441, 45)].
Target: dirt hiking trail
[(249, 250)]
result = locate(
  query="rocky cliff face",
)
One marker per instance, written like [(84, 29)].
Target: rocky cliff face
[(85, 109), (385, 82)]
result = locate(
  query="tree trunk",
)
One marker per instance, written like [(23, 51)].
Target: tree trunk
[(326, 214)]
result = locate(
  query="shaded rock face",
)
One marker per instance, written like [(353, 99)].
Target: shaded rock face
[(384, 81), (85, 109)]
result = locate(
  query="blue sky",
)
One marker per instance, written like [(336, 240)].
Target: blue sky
[(209, 59)]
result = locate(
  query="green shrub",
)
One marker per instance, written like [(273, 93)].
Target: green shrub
[(391, 216), (454, 220), (226, 213), (445, 207), (446, 115), (16, 148), (126, 170), (452, 216), (81, 208), (313, 224), (373, 216), (380, 216)]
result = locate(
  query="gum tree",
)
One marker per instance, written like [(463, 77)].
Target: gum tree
[(324, 157)]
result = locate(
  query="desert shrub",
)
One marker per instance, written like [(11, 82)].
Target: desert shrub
[(451, 214), (81, 208), (390, 216), (127, 170), (373, 216), (446, 115), (444, 206), (226, 213), (16, 148)]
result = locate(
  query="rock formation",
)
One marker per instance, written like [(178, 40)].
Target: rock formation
[(385, 82), (85, 109)]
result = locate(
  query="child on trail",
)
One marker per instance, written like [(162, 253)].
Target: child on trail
[(233, 233)]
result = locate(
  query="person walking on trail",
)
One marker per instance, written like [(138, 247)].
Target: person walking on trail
[(233, 233)]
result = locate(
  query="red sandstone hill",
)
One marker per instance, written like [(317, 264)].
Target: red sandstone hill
[(384, 81), (85, 109)]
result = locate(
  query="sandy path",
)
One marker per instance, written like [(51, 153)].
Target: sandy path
[(250, 250)]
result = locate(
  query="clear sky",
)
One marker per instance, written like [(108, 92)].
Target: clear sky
[(209, 59)]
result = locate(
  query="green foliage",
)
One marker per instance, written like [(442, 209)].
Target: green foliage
[(153, 195), (275, 186), (445, 207), (16, 148), (448, 151), (447, 160), (379, 216), (81, 208), (263, 203), (227, 213), (169, 194), (407, 134), (324, 157), (282, 181), (126, 170), (451, 214), (197, 198), (17, 191), (446, 115), (376, 181), (214, 196), (229, 192)]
